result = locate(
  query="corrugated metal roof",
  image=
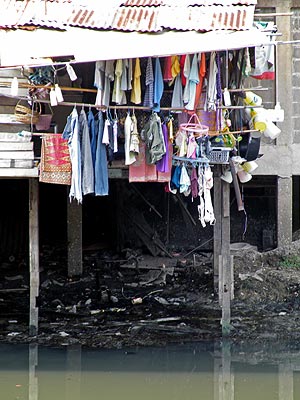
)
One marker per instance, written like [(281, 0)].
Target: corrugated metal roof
[(129, 15)]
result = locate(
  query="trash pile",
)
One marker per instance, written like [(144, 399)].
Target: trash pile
[(141, 300)]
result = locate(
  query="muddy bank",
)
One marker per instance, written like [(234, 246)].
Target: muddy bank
[(138, 300)]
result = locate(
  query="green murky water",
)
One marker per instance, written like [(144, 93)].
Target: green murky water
[(203, 371)]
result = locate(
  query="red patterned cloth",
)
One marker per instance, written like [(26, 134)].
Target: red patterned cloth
[(55, 166)]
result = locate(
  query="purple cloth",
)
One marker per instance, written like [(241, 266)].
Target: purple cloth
[(163, 164), (194, 183)]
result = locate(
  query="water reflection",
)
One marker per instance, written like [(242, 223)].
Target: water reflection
[(207, 371)]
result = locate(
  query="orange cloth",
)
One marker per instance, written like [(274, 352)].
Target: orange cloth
[(202, 72)]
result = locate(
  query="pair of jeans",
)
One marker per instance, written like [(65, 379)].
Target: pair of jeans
[(101, 171)]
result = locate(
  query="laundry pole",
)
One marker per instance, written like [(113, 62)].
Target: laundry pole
[(222, 259)]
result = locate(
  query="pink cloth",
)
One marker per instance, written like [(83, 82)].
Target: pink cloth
[(140, 171)]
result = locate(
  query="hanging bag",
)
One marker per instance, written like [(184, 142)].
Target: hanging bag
[(27, 115)]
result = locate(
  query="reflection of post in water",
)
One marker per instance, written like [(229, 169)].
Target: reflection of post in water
[(33, 379), (285, 381), (73, 373), (223, 376)]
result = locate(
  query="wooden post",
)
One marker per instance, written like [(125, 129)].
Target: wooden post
[(223, 262), (33, 254), (218, 225), (227, 263), (74, 222)]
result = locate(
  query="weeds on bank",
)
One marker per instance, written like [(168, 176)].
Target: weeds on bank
[(291, 262)]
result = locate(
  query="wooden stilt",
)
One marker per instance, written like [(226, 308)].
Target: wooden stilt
[(74, 221), (33, 254), (218, 225), (223, 262), (227, 262)]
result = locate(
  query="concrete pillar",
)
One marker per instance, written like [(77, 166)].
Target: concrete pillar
[(284, 210)]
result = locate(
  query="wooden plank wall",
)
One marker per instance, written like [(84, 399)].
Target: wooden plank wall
[(16, 152)]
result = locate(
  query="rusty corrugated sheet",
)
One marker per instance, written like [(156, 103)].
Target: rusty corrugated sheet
[(130, 15)]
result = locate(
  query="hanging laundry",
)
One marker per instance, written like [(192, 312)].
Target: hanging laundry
[(149, 82), (193, 81), (184, 182), (134, 137), (109, 77), (71, 134), (152, 135), (129, 74), (115, 134), (182, 63), (175, 67), (108, 138), (186, 73), (99, 78), (128, 129), (177, 95), (124, 76), (136, 87), (118, 95), (158, 85), (199, 87), (140, 171), (55, 166), (101, 171), (264, 63), (209, 216), (87, 174), (211, 94), (201, 205), (167, 69), (194, 183), (93, 135), (191, 146), (163, 164), (175, 179), (170, 128)]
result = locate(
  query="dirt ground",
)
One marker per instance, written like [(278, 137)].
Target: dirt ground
[(138, 300)]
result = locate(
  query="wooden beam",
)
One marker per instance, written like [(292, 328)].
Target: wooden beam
[(19, 173), (74, 222), (33, 254), (16, 146)]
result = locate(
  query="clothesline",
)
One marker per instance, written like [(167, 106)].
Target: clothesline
[(6, 84), (121, 107)]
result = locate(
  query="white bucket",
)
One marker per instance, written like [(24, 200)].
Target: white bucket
[(272, 131), (244, 176)]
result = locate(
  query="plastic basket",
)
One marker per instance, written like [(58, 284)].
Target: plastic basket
[(219, 155)]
